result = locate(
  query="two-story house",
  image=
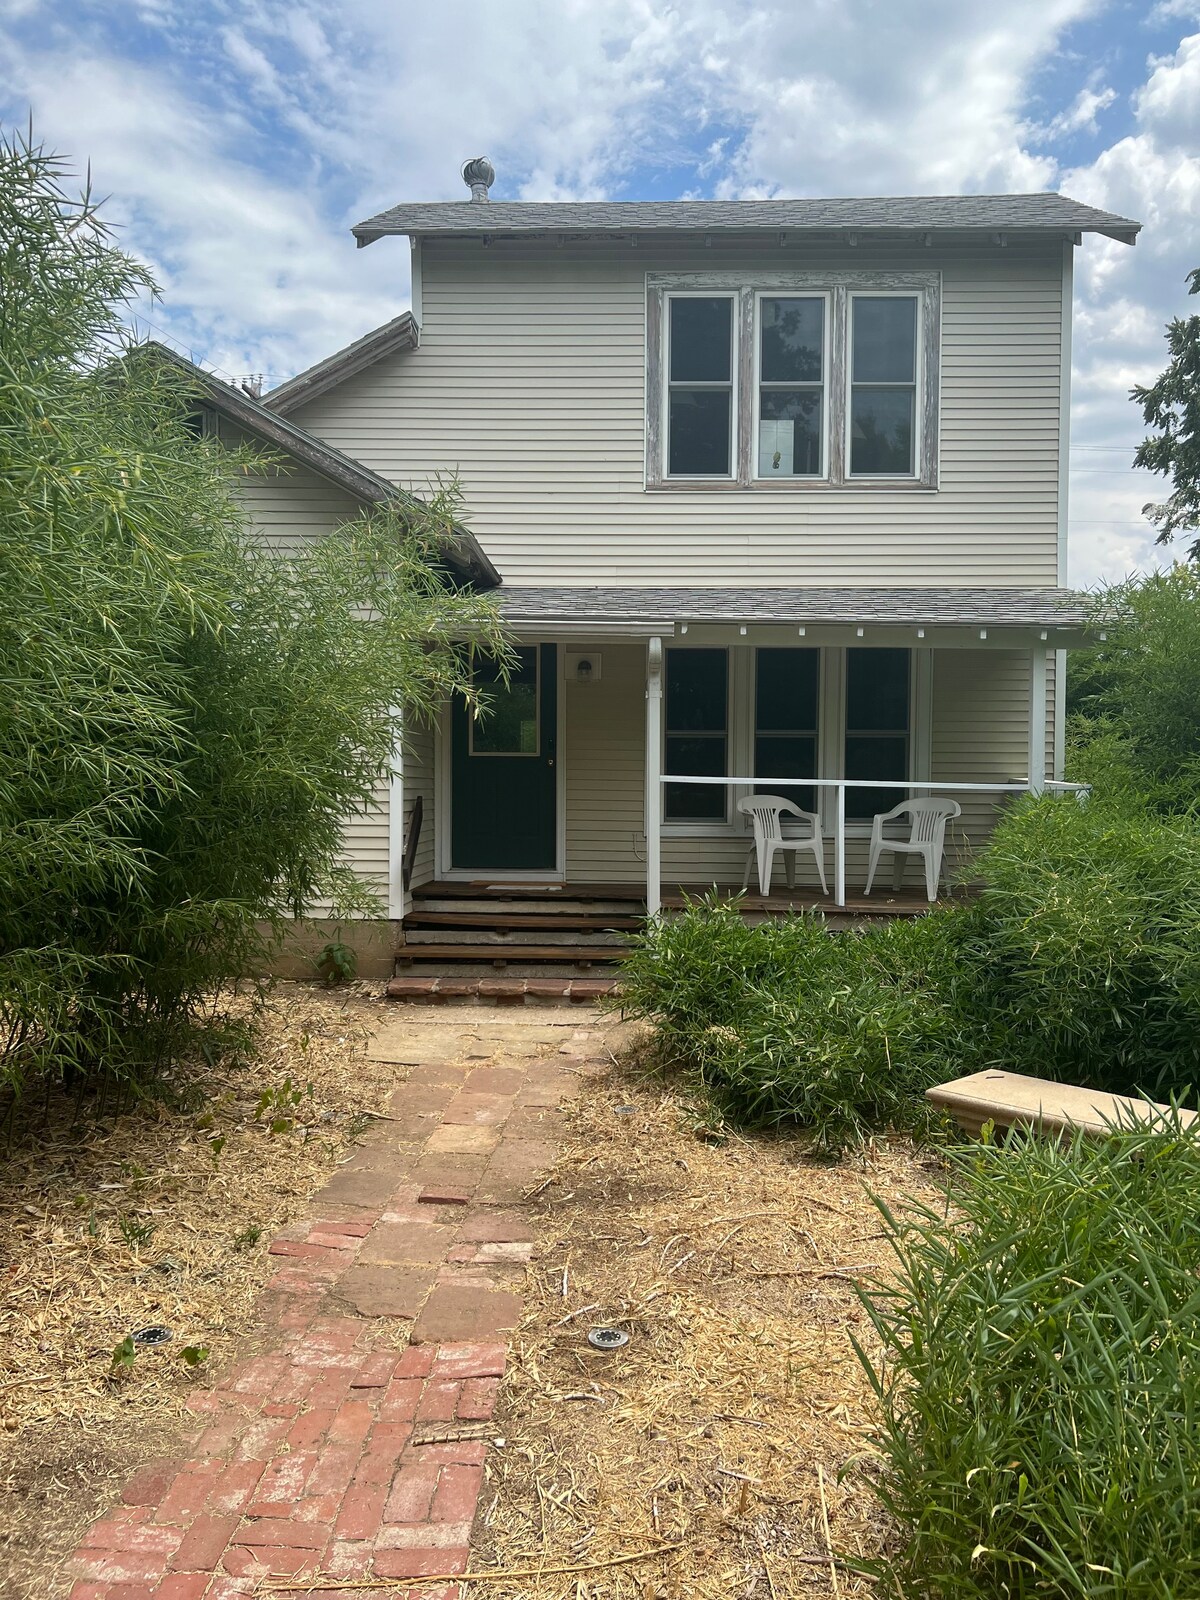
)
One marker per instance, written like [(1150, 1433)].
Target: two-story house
[(777, 494)]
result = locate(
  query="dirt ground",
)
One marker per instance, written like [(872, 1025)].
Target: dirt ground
[(730, 1436), (735, 1423), (160, 1217)]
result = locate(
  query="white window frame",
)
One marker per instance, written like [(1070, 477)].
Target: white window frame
[(747, 289), (667, 385), (917, 386), (826, 297)]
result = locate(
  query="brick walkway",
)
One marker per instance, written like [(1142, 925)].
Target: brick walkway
[(344, 1447)]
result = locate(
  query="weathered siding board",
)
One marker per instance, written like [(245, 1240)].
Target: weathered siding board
[(530, 380), (418, 780)]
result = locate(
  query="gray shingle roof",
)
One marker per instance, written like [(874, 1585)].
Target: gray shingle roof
[(399, 334), (1012, 608), (972, 213)]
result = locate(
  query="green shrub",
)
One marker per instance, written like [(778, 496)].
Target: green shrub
[(1040, 1374), (187, 718), (1085, 947), (788, 1022), (1135, 698)]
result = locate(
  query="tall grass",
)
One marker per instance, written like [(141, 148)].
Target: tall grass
[(788, 1022), (1040, 1374), (1084, 949)]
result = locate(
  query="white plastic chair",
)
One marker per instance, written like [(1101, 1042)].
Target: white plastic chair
[(765, 811), (927, 837)]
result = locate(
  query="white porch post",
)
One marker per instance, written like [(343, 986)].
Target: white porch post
[(839, 848), (1037, 718), (654, 791), (397, 895)]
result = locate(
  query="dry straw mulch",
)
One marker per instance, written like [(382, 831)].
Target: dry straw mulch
[(736, 1424), (161, 1216)]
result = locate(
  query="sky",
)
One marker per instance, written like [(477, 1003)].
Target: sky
[(239, 142)]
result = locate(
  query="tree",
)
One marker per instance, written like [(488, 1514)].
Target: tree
[(1135, 698), (186, 719), (1171, 406)]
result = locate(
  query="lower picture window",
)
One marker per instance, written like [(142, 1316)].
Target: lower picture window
[(878, 720), (786, 688), (697, 734)]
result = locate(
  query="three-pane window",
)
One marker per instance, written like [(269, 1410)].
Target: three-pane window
[(834, 384), (700, 386)]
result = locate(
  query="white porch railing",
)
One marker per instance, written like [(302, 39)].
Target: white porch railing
[(839, 785)]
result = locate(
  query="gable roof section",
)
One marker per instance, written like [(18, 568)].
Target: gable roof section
[(464, 556), (401, 333), (974, 213)]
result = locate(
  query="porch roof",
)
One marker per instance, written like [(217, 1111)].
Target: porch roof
[(639, 608)]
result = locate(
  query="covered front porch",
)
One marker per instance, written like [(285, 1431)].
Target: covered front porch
[(607, 779)]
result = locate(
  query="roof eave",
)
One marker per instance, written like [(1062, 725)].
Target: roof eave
[(366, 233), (400, 334)]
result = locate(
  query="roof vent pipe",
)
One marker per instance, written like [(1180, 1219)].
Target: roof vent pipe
[(479, 175)]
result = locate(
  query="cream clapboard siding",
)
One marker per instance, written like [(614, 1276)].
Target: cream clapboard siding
[(980, 721), (419, 780), (530, 381), (285, 509)]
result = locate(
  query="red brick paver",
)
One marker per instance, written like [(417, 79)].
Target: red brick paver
[(347, 1446)]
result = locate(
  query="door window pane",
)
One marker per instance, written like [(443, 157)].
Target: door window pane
[(509, 725), (877, 727), (883, 389), (787, 684), (700, 386), (791, 386), (697, 701)]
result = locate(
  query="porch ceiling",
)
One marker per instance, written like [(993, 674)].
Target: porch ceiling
[(665, 610)]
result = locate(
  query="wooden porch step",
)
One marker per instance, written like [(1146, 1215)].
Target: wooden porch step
[(490, 889), (521, 921), (427, 906), (512, 938), (501, 955)]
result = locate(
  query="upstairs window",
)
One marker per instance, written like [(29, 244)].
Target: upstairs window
[(697, 734), (791, 386), (799, 380), (700, 386), (883, 385)]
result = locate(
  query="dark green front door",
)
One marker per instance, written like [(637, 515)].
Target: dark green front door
[(503, 779)]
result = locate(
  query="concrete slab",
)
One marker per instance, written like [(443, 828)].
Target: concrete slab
[(1011, 1099)]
